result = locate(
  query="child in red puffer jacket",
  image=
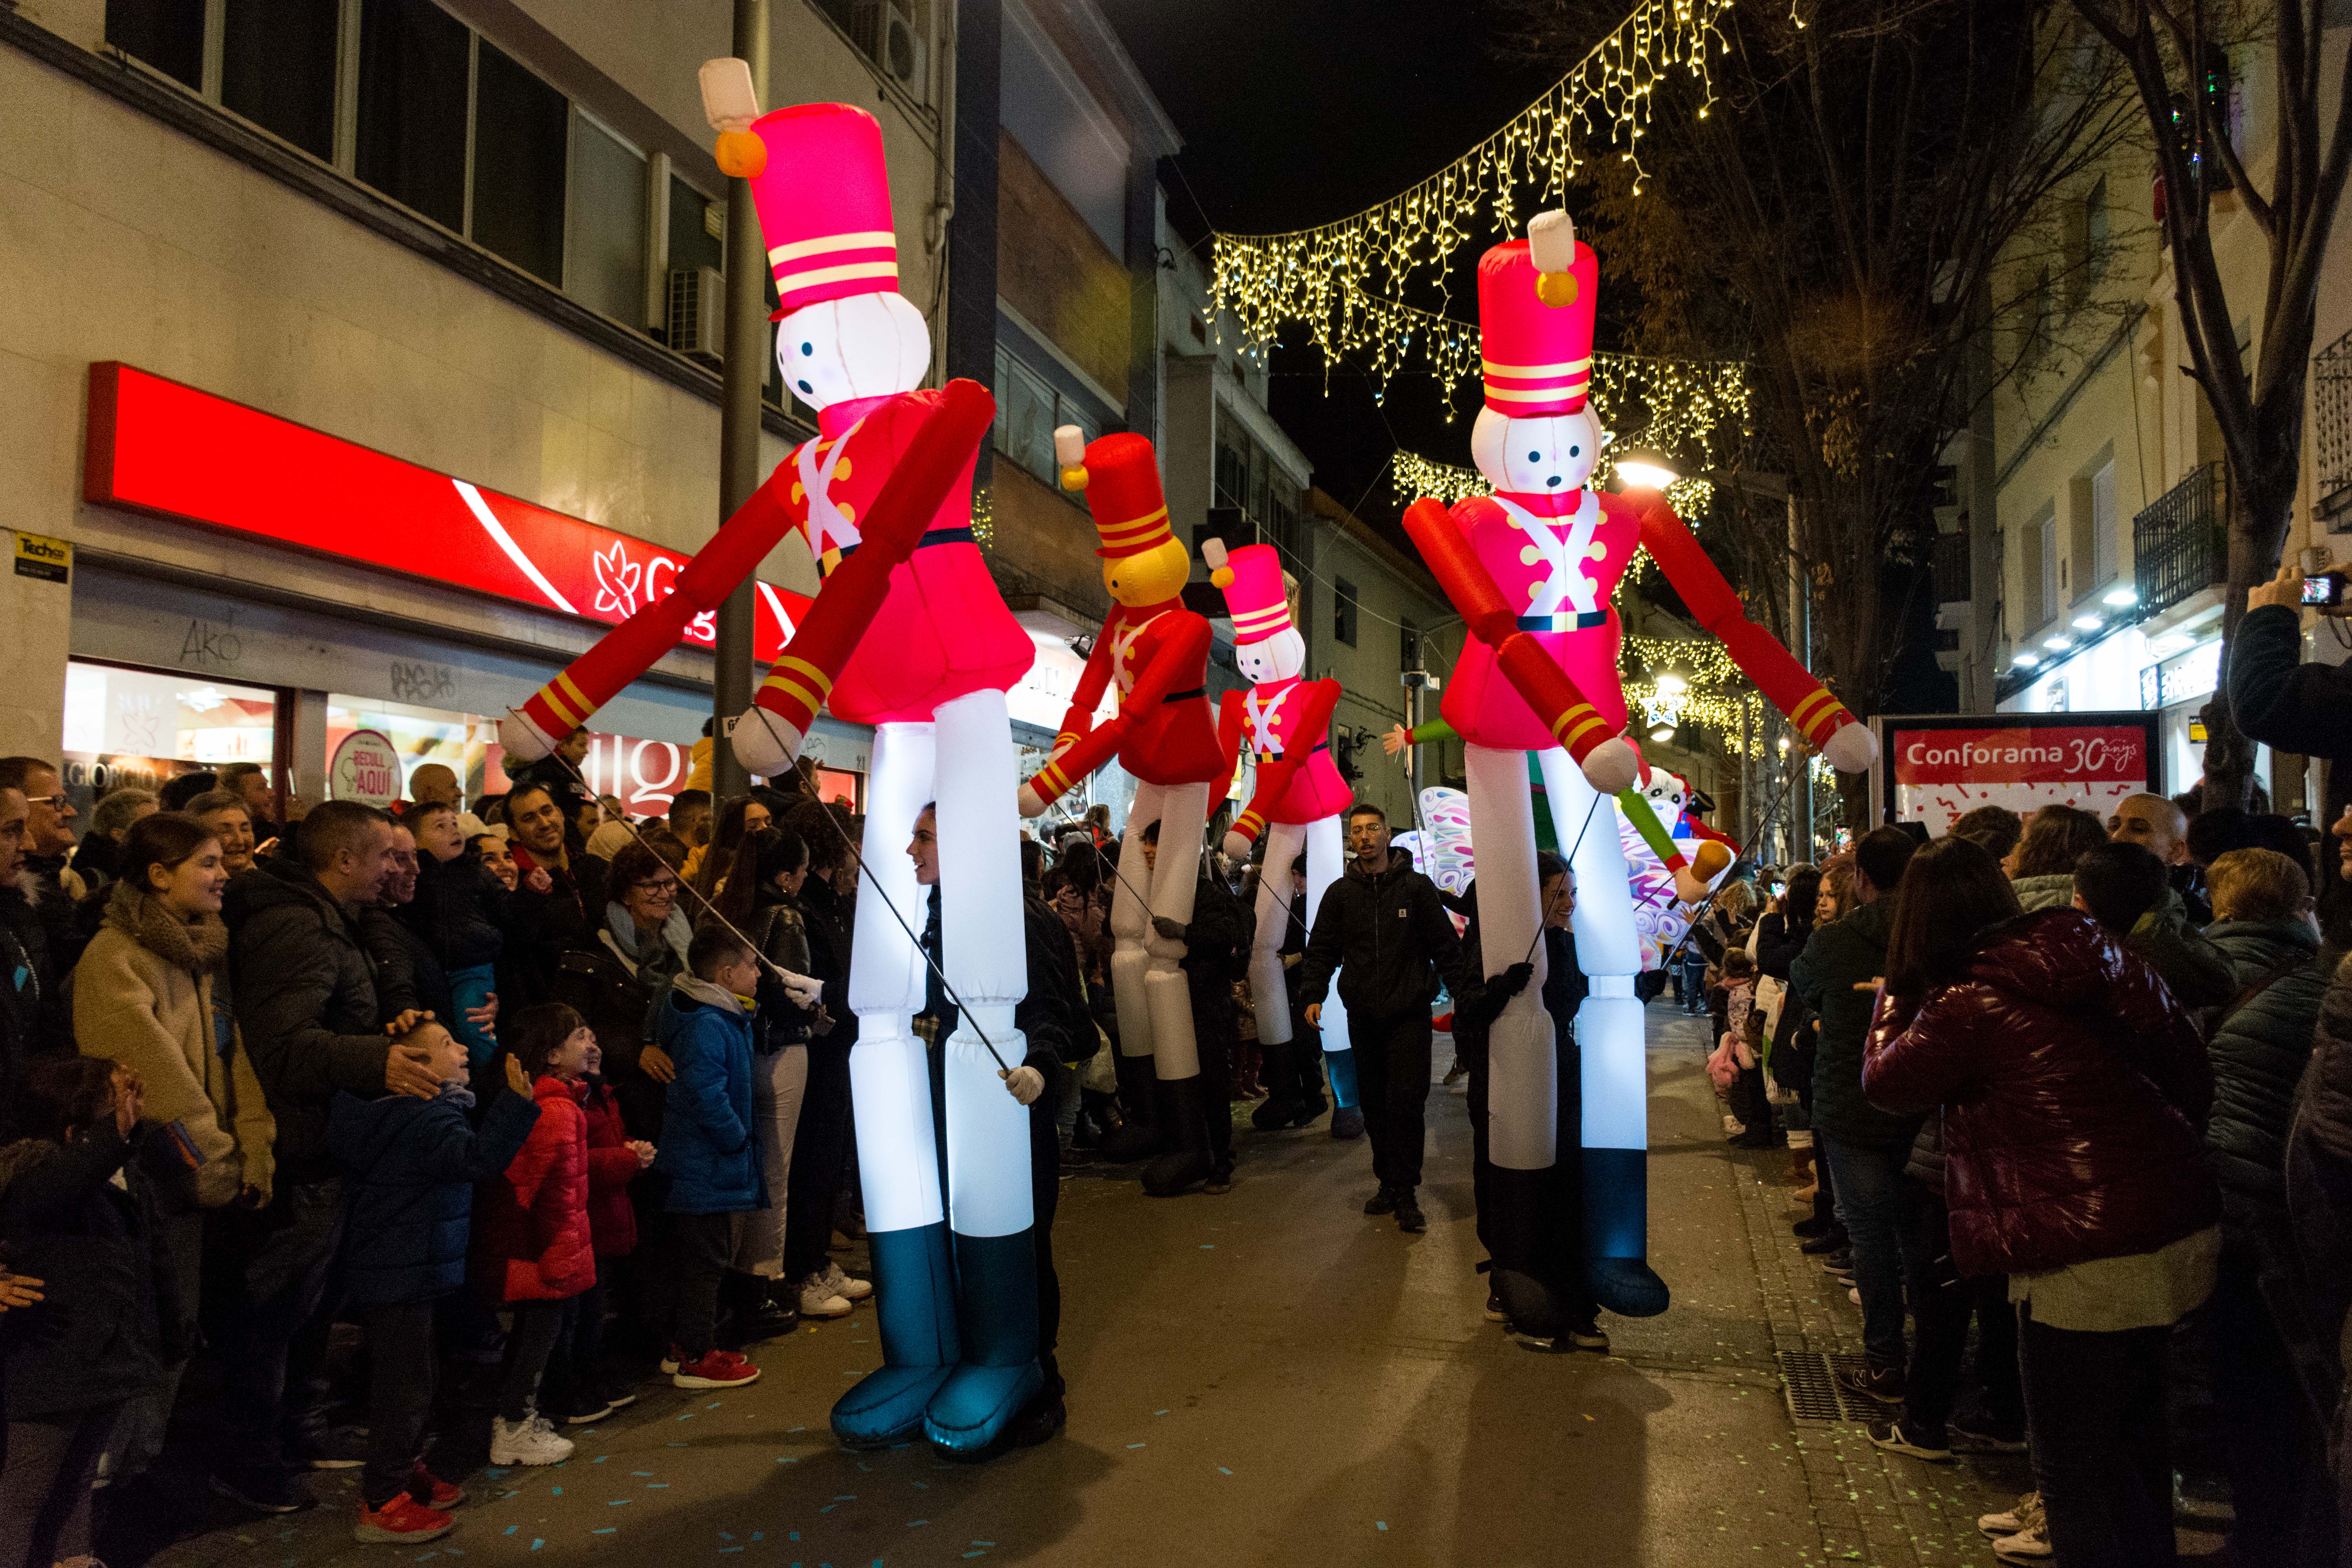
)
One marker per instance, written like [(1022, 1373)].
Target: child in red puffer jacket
[(533, 1240), (581, 1390)]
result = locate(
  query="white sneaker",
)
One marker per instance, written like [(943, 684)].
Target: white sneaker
[(2026, 1546), (530, 1441), (2026, 1515), (844, 1286), (818, 1300)]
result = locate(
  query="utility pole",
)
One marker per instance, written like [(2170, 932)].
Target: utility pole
[(1800, 628), (746, 371)]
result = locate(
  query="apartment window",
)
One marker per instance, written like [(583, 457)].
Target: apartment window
[(1343, 610), (168, 34), (414, 76), (1027, 411), (697, 228), (522, 127), (277, 68), (604, 248)]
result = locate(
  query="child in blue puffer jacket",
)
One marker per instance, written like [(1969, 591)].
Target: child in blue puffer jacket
[(411, 1165), (465, 915), (709, 1145)]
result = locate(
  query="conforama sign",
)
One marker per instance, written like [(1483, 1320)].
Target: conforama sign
[(171, 451), (1937, 770)]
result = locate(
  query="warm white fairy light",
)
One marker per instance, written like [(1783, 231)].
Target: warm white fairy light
[(1344, 281)]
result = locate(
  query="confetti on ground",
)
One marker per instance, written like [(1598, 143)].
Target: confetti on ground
[(1382, 1523), (1222, 1471)]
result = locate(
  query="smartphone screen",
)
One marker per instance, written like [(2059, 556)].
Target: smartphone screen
[(2325, 590)]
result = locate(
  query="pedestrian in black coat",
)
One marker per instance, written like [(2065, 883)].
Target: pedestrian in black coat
[(1384, 929)]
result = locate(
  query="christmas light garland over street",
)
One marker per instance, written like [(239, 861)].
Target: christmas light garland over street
[(1345, 281)]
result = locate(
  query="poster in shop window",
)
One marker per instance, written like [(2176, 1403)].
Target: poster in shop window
[(1935, 769)]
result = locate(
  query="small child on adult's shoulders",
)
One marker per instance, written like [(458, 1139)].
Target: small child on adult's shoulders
[(709, 1145), (410, 1166), (533, 1246)]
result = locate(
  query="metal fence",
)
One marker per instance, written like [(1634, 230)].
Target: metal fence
[(2180, 544), (2331, 424)]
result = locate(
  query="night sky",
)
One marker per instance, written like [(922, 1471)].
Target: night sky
[(1297, 113)]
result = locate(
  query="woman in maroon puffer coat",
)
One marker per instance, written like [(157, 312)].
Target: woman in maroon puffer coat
[(2073, 1089), (534, 1248)]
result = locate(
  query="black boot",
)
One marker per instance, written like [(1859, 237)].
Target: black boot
[(1183, 1116), (1142, 1136), (1280, 1073)]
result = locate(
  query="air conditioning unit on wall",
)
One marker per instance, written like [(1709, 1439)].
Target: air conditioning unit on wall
[(698, 323), (885, 30)]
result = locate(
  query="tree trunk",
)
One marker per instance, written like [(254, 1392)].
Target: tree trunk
[(2262, 507)]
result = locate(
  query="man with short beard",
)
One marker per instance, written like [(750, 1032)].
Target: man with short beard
[(567, 886), (49, 842), (306, 1002)]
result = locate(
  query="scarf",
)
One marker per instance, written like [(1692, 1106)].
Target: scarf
[(622, 927), (200, 949), (711, 995)]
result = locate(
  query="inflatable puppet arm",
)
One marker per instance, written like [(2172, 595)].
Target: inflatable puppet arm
[(1694, 875), (629, 650), (1610, 764), (1274, 778), (1399, 740), (769, 734), (1181, 651), (730, 104), (1822, 719)]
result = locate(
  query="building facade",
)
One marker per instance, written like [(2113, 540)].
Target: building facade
[(2083, 555)]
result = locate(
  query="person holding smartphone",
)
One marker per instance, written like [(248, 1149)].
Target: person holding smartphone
[(2279, 699)]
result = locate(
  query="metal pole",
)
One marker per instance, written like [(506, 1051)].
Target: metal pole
[(1800, 628), (1747, 777), (746, 321), (1412, 721)]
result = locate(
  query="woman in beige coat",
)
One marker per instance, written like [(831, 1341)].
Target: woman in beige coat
[(151, 991)]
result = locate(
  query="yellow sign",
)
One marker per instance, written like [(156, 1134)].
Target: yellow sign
[(50, 560), (2196, 732)]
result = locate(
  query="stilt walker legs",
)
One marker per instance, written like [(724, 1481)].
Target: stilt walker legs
[(1327, 862), (1522, 1060), (983, 938), (1286, 1070), (1130, 923), (1185, 1156), (1616, 1131), (898, 1148)]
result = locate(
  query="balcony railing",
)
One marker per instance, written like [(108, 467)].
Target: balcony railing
[(1951, 564), (2180, 544), (2331, 424)]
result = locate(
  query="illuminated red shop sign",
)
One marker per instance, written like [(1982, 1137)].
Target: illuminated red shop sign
[(171, 451), (1938, 769)]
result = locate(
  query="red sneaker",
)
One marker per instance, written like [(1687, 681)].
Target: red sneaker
[(669, 1364), (432, 1490), (401, 1519), (719, 1369)]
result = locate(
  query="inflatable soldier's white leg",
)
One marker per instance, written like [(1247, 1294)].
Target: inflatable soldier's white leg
[(898, 1147), (1182, 811), (1269, 996), (1130, 923), (1327, 862), (982, 933), (1615, 1136), (1522, 1051)]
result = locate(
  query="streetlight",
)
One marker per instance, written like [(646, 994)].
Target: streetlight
[(1647, 469), (1671, 686), (1662, 733)]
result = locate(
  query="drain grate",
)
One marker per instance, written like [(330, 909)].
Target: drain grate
[(1809, 1382)]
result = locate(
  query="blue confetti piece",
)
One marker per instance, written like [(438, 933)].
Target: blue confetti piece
[(1160, 1413), (1382, 1523), (915, 1523), (1135, 1445), (791, 1429), (1208, 1246), (607, 1531), (1222, 1471), (795, 1535), (641, 1472), (600, 1458), (688, 1416), (555, 1491), (724, 1536), (494, 1475), (512, 1527), (656, 1485), (536, 1543), (757, 1536), (827, 1508), (674, 1445), (620, 1502), (712, 1405), (845, 1497)]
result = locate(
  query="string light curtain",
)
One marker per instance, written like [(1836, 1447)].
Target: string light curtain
[(1345, 281), (1413, 476)]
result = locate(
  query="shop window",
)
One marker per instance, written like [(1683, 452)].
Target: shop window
[(412, 109), (277, 68), (1343, 610), (462, 742), (1024, 417), (168, 34), (522, 127), (139, 727), (604, 259)]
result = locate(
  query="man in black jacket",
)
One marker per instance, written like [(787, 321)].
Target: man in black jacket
[(306, 1002), (2279, 699), (562, 891), (1383, 923), (33, 1022)]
